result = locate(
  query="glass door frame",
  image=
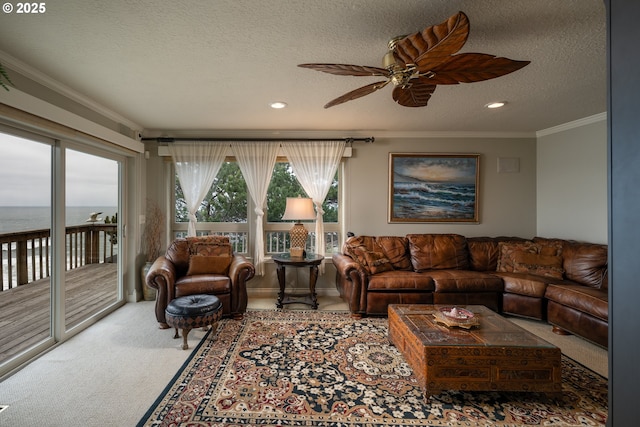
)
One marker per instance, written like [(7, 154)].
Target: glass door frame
[(60, 332), (127, 164)]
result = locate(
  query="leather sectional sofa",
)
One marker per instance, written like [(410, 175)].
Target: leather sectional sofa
[(558, 281)]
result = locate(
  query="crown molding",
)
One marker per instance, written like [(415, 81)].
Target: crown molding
[(572, 125), (37, 76)]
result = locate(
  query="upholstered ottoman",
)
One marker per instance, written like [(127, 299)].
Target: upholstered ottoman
[(193, 311)]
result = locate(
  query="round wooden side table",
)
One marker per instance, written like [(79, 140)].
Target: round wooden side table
[(310, 260)]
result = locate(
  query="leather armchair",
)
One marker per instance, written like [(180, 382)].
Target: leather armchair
[(201, 265)]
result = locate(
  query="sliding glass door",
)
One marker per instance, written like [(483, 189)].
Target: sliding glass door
[(91, 239), (25, 240), (61, 244)]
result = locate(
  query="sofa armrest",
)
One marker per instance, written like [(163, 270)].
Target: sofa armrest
[(345, 264), (351, 281), (240, 271)]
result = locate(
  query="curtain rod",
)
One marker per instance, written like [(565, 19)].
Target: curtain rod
[(368, 140)]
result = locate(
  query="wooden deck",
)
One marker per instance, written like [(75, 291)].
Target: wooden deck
[(25, 310)]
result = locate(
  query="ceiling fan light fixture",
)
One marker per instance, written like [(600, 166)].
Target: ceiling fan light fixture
[(389, 61), (278, 105), (496, 104)]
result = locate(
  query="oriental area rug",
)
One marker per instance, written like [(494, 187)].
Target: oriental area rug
[(310, 368)]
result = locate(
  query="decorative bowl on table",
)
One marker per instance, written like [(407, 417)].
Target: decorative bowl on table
[(456, 313), (456, 316)]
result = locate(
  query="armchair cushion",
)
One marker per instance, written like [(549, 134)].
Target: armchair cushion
[(203, 264), (211, 249)]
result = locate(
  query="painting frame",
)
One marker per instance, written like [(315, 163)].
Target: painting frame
[(433, 188)]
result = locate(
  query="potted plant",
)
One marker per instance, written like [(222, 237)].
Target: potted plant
[(151, 243)]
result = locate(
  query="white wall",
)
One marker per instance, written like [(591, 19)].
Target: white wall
[(507, 200), (572, 182)]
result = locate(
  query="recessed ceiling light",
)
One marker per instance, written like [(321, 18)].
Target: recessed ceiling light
[(278, 105), (496, 104)]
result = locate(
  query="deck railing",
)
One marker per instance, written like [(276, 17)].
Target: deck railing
[(275, 241), (25, 256)]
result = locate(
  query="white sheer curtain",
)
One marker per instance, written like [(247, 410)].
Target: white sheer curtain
[(197, 165), (315, 164), (256, 161)]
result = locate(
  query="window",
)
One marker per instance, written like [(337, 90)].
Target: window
[(228, 210)]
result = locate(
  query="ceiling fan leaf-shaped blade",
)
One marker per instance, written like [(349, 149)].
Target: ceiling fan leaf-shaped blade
[(415, 95), (474, 67), (435, 44), (357, 93), (347, 69)]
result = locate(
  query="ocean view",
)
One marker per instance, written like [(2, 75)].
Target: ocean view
[(15, 219), (425, 200), (23, 218)]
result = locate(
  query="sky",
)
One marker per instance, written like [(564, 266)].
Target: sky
[(437, 169), (25, 174)]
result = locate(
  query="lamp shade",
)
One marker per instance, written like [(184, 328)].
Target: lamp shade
[(299, 208)]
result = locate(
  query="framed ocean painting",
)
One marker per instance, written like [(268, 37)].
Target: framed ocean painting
[(433, 187)]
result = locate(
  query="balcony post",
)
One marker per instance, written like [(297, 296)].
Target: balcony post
[(21, 263), (91, 250)]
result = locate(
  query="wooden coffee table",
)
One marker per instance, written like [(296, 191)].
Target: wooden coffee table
[(496, 355)]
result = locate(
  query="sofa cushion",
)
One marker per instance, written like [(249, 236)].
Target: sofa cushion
[(524, 284), (438, 252), (538, 264), (357, 254), (377, 262), (465, 281), (594, 302), (400, 281), (356, 241), (202, 264), (371, 261), (396, 250), (507, 249), (586, 263), (484, 252), (356, 246)]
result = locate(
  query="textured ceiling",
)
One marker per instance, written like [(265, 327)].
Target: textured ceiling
[(216, 65)]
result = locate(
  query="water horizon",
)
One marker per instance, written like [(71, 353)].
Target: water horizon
[(25, 218)]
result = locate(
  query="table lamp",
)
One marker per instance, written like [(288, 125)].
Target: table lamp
[(297, 209)]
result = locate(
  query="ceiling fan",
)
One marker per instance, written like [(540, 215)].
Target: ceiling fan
[(417, 63)]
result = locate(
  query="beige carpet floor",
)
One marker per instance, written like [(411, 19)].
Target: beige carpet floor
[(110, 374)]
